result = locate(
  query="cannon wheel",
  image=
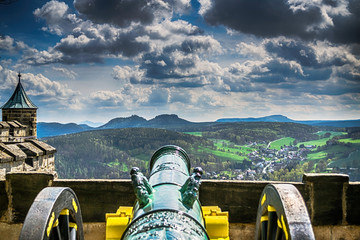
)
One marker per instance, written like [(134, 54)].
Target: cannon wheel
[(282, 214), (54, 214)]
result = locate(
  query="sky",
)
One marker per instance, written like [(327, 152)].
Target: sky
[(200, 59)]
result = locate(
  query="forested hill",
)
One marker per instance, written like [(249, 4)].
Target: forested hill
[(173, 122), (241, 133), (111, 153)]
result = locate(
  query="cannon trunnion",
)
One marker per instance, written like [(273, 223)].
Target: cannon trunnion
[(167, 206)]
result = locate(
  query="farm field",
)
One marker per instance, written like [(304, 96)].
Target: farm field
[(277, 144), (350, 140)]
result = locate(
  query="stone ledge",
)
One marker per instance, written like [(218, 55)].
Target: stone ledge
[(325, 177)]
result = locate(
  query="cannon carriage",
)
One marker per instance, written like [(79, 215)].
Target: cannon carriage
[(167, 207)]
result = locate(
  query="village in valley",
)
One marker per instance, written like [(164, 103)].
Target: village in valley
[(265, 160), (273, 161)]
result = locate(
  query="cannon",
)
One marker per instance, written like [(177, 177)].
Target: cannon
[(167, 206)]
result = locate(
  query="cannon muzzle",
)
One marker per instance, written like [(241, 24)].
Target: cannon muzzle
[(167, 205)]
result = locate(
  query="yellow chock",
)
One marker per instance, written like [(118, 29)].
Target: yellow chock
[(216, 223), (116, 223)]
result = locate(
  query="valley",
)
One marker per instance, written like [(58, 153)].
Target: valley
[(243, 151)]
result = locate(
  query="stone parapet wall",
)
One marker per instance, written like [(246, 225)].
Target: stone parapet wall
[(332, 201)]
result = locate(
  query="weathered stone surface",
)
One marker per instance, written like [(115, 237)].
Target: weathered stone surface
[(241, 231), (326, 197), (353, 204), (23, 188), (10, 231), (98, 197), (329, 232), (325, 177), (43, 146), (240, 198), (94, 231), (3, 199)]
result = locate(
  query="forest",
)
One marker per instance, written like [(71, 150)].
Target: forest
[(224, 151)]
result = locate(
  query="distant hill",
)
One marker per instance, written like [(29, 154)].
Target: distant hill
[(343, 124), (164, 121), (91, 124), (272, 118), (281, 118), (173, 122), (129, 122), (55, 129)]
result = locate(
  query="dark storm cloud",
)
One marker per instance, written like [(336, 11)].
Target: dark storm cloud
[(180, 60), (272, 18), (121, 13), (293, 50), (301, 52), (332, 87), (87, 48), (164, 66), (346, 29), (125, 12), (277, 72)]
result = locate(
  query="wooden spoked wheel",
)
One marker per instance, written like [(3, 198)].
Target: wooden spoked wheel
[(282, 214), (54, 214)]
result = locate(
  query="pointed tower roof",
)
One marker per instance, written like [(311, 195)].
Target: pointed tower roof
[(19, 99)]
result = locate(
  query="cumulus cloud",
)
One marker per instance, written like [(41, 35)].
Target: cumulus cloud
[(66, 72), (336, 21), (298, 52), (107, 99), (126, 12), (58, 18), (41, 89), (107, 34), (128, 74)]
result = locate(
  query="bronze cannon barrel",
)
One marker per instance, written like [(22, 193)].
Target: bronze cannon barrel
[(167, 205)]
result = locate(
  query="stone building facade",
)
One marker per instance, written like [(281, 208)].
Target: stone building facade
[(19, 148)]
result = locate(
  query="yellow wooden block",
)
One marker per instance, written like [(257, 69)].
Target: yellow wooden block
[(116, 223), (216, 222), (115, 227)]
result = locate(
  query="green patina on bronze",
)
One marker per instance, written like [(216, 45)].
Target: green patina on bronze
[(19, 99), (167, 205)]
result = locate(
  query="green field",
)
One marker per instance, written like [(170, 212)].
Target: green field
[(349, 140), (351, 161), (277, 144), (319, 142), (333, 134), (316, 156), (199, 134), (226, 149)]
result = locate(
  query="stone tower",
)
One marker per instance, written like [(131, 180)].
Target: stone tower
[(20, 108)]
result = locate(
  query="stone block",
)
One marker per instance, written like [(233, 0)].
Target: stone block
[(240, 198), (353, 204), (22, 188), (3, 199), (98, 197), (325, 193)]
